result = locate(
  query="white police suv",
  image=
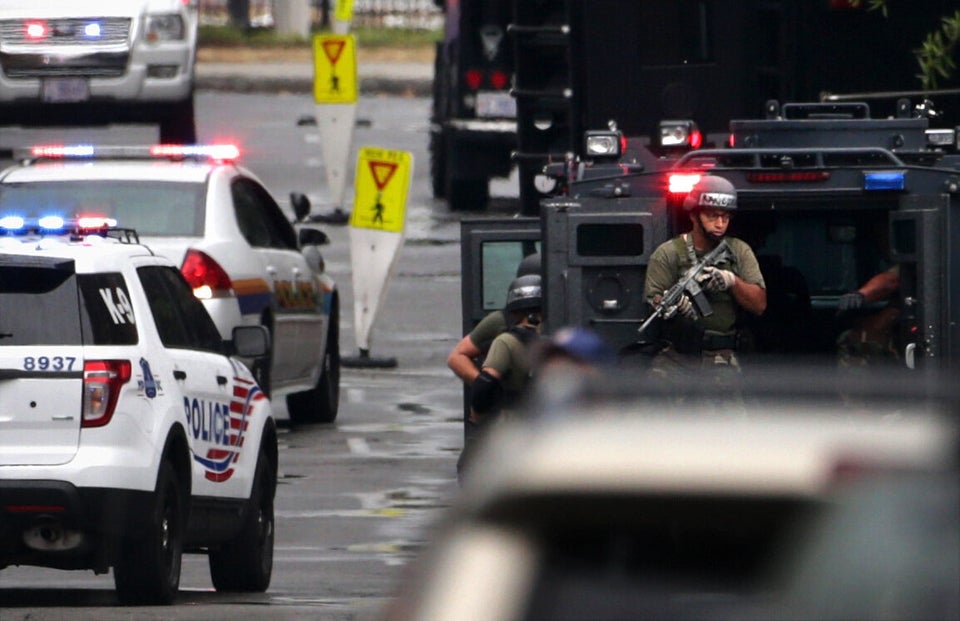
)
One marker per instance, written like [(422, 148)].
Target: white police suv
[(127, 435), (239, 252), (99, 61)]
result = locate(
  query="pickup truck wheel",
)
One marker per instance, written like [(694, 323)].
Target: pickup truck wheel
[(179, 126), (321, 404), (148, 570), (245, 564)]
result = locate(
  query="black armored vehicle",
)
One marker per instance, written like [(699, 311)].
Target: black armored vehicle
[(828, 197)]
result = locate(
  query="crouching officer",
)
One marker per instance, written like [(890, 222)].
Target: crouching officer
[(688, 340), (505, 372)]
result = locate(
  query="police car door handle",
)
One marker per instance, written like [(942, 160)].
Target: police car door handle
[(179, 375), (221, 380)]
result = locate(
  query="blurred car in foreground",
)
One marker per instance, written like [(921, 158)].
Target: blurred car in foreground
[(196, 205), (632, 503)]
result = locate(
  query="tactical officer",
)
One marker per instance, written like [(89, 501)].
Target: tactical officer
[(872, 338), (690, 341), (505, 372), (473, 346)]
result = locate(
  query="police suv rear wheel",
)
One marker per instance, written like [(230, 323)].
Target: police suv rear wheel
[(246, 563), (148, 570)]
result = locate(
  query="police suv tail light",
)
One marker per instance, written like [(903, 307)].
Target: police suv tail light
[(102, 381), (205, 276)]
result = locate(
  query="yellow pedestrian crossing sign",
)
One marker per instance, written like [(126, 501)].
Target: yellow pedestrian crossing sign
[(334, 69), (382, 182), (343, 10)]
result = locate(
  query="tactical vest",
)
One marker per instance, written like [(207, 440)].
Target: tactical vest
[(724, 316)]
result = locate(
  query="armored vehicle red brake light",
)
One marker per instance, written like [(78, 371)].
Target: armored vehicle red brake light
[(682, 183)]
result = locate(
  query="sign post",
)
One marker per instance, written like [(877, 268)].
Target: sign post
[(335, 90), (377, 232)]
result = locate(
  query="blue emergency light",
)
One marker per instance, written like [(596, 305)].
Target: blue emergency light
[(885, 180)]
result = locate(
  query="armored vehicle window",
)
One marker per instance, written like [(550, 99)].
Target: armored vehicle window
[(610, 240), (39, 303), (499, 264), (107, 302), (153, 208)]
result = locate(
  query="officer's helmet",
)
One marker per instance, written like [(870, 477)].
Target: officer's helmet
[(711, 193), (524, 293), (529, 265)]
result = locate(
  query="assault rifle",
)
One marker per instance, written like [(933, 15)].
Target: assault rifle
[(688, 285)]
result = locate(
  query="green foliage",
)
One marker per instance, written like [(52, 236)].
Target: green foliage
[(937, 51), (936, 54)]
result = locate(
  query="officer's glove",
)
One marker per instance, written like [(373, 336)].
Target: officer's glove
[(684, 308), (850, 301), (715, 279)]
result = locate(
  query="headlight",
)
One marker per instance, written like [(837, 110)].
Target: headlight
[(680, 134), (165, 27)]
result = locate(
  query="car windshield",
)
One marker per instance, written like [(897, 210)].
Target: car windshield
[(153, 208)]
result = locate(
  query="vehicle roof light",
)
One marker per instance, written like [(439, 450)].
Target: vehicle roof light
[(682, 183), (12, 223), (885, 180), (63, 151), (217, 152), (680, 134), (95, 223), (212, 151), (795, 176), (941, 137), (50, 223), (92, 30), (603, 144)]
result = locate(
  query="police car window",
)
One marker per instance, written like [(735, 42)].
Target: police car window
[(39, 304), (181, 320), (499, 261), (153, 208), (260, 219), (110, 313)]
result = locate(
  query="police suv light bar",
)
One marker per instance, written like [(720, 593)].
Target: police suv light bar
[(216, 152)]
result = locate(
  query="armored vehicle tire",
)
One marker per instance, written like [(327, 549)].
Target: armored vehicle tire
[(468, 194), (179, 126), (321, 404), (246, 563), (148, 570), (438, 168)]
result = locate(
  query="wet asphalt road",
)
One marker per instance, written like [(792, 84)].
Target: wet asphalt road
[(356, 498)]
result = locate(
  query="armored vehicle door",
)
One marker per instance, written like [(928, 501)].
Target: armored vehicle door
[(920, 240), (490, 252), (595, 259)]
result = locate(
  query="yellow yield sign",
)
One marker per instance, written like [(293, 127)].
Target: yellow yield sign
[(382, 181), (334, 69)]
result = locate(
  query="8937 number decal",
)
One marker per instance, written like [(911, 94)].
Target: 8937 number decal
[(49, 363)]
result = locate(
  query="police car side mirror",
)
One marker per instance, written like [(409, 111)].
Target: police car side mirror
[(251, 341), (301, 205)]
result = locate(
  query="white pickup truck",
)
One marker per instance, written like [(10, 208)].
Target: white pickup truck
[(94, 62)]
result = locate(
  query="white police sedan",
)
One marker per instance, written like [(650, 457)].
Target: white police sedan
[(217, 221)]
